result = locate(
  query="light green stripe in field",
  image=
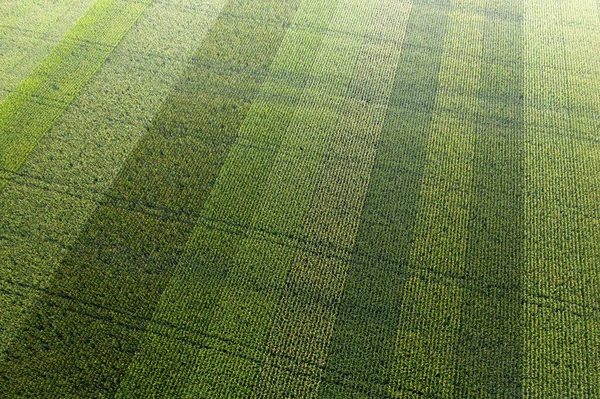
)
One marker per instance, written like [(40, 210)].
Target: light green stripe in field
[(25, 45), (305, 315), (43, 209), (562, 202), (429, 322), (24, 119)]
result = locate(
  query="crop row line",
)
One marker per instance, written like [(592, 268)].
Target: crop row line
[(426, 274), (66, 38), (25, 31), (152, 209), (414, 106), (203, 62), (287, 149), (483, 11), (285, 77), (467, 56), (258, 21), (298, 152), (320, 29)]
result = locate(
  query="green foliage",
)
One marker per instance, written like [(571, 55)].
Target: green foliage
[(353, 198)]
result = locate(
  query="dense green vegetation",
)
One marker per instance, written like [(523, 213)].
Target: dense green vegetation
[(299, 198)]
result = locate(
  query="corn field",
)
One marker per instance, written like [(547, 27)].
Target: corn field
[(300, 199)]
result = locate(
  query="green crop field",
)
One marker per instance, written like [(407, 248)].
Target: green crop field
[(300, 199)]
